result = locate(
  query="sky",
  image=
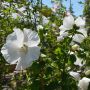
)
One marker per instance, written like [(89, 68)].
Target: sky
[(77, 8)]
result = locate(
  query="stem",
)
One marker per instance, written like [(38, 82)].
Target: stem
[(41, 75), (64, 73), (42, 80), (41, 62), (63, 81)]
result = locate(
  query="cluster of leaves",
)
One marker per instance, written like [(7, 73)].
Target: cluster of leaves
[(87, 14)]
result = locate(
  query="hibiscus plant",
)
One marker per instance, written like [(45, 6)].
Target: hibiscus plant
[(43, 48)]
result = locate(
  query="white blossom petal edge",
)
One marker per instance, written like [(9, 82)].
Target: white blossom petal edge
[(76, 75), (80, 62), (84, 83), (21, 48), (80, 22), (68, 23)]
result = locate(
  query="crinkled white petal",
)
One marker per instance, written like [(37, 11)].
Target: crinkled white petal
[(33, 53), (31, 38), (10, 52), (62, 36), (68, 22), (20, 36), (11, 37), (63, 32), (62, 28), (84, 83), (79, 61), (80, 22), (78, 38), (75, 75), (26, 60), (83, 31)]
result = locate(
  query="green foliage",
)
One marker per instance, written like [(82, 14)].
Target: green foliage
[(87, 14), (51, 70)]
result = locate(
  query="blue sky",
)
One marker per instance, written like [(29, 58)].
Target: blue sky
[(77, 8)]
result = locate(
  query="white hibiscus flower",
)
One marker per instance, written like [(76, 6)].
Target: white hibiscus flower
[(80, 22), (68, 23), (21, 48)]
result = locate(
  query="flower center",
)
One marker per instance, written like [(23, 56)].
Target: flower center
[(24, 49)]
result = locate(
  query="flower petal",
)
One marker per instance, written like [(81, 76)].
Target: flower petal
[(62, 28), (84, 83), (78, 38), (11, 37), (79, 62), (10, 52), (80, 22), (75, 75), (62, 36), (68, 22), (83, 31), (33, 54), (31, 37), (20, 36)]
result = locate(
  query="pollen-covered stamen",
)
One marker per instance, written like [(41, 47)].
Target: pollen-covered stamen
[(24, 49)]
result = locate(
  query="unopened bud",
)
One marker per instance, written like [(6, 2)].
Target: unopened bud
[(87, 72), (75, 47)]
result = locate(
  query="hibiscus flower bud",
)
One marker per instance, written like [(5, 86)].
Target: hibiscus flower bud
[(75, 47)]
